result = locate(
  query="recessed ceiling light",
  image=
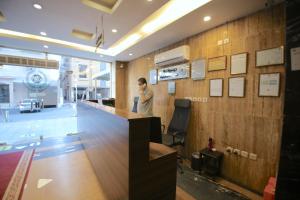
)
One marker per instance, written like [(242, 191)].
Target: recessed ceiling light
[(114, 30), (149, 0), (167, 14), (37, 6), (206, 18), (43, 33), (130, 54), (46, 46)]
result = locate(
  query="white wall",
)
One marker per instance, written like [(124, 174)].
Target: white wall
[(19, 91)]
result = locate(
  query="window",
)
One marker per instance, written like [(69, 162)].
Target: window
[(4, 93), (82, 71)]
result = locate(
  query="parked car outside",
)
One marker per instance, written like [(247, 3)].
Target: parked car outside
[(31, 105)]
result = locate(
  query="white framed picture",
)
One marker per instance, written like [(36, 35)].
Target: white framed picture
[(153, 76), (239, 63), (269, 85), (267, 57), (171, 87), (236, 87), (198, 69), (216, 87)]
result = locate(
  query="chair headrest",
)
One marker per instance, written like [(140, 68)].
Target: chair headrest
[(136, 99), (182, 103)]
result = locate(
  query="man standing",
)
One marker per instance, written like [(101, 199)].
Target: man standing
[(145, 102)]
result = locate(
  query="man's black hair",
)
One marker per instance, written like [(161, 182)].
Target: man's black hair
[(142, 80)]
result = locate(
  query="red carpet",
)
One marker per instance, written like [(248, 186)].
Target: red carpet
[(14, 168)]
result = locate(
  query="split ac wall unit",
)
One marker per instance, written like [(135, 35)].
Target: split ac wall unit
[(177, 55)]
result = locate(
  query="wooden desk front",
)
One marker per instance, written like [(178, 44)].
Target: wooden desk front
[(127, 165)]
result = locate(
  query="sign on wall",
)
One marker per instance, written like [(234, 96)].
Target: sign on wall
[(36, 80), (238, 64), (216, 87), (236, 87), (174, 72), (274, 56), (171, 87), (153, 76), (269, 85), (198, 69), (295, 58), (218, 63)]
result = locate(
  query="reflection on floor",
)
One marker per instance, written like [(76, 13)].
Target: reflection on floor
[(61, 170), (27, 127)]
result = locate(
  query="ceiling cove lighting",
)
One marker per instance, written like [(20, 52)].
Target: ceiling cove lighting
[(38, 6), (25, 36), (124, 44), (207, 18), (167, 14)]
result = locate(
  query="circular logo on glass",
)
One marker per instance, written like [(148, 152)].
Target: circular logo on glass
[(37, 81)]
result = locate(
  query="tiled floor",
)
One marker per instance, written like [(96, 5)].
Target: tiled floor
[(28, 127)]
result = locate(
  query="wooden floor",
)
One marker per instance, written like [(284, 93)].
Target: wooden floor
[(68, 177), (62, 171)]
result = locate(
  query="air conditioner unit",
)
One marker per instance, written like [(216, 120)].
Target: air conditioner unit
[(177, 55)]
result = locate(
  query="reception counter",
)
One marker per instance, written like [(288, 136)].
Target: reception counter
[(127, 164)]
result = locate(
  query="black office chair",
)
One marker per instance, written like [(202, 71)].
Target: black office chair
[(156, 130), (179, 124), (135, 103)]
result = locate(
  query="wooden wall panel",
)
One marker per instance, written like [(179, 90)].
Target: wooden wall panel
[(252, 123), (121, 95)]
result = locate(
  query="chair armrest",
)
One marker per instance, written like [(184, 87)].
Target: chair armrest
[(177, 133), (163, 128)]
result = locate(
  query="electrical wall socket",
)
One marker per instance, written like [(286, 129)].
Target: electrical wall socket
[(237, 152), (253, 156), (229, 149), (220, 42), (226, 40), (244, 154)]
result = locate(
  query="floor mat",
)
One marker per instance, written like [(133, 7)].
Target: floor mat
[(14, 170), (204, 189)]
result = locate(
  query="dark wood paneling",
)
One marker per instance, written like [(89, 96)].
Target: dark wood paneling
[(127, 165), (288, 179), (105, 138)]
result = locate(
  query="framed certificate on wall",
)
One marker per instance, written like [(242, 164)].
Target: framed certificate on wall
[(153, 76), (217, 63), (239, 63), (171, 87), (269, 85), (236, 87), (274, 56), (216, 87), (198, 69)]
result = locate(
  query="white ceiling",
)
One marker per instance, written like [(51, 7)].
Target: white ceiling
[(59, 17)]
